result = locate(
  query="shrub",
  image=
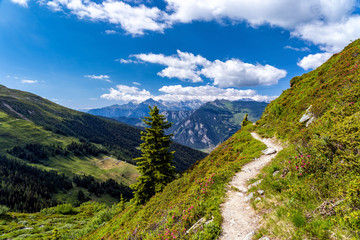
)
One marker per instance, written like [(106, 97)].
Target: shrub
[(3, 210)]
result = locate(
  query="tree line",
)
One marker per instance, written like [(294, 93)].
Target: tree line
[(25, 188), (37, 153)]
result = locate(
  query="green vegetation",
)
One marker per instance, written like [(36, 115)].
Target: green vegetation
[(315, 195), (156, 163), (63, 221), (196, 195)]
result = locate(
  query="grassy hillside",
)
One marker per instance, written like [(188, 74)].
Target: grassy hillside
[(317, 190), (312, 188), (45, 118)]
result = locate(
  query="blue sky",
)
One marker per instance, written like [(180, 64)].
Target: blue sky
[(88, 54)]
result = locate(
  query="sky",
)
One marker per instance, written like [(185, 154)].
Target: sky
[(91, 53)]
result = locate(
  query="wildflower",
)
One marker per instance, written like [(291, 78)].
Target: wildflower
[(300, 174), (302, 156), (289, 161), (295, 156), (308, 156), (297, 167)]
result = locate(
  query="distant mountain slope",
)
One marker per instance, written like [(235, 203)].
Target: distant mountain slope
[(120, 139), (202, 128), (214, 122)]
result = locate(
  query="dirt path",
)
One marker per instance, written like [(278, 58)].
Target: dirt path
[(240, 220)]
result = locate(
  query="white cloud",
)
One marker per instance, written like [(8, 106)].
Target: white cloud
[(313, 61), (99, 77), (231, 73), (283, 13), (125, 61), (23, 3), (329, 23), (27, 81), (303, 49), (177, 93), (235, 73), (126, 94), (136, 83), (110, 31), (331, 36), (133, 19)]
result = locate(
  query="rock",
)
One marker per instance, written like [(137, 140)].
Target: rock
[(250, 196), (312, 119), (249, 236), (264, 238), (275, 173), (255, 184), (199, 223), (261, 192), (269, 151), (305, 117), (242, 189), (308, 117)]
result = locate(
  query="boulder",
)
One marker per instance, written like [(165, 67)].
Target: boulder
[(269, 151)]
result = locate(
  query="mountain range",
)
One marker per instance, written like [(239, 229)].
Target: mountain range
[(195, 124)]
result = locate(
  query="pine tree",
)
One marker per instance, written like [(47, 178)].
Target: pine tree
[(245, 121), (156, 163)]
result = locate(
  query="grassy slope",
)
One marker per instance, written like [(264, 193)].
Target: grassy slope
[(198, 193), (319, 196), (70, 222)]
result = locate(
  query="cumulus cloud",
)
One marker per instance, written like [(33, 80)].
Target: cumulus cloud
[(27, 81), (313, 61), (329, 23), (176, 93), (231, 73), (99, 77), (127, 94), (133, 19), (283, 13), (235, 73), (331, 36), (23, 3)]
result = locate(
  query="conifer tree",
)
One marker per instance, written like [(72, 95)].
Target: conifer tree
[(245, 121), (156, 163)]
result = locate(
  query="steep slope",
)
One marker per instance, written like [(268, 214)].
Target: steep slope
[(317, 188), (48, 118), (214, 122), (311, 190)]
